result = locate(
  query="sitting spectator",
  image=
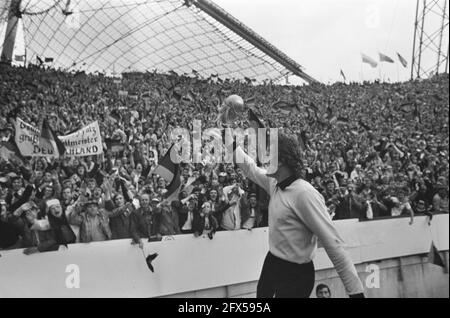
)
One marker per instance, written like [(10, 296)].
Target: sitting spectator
[(188, 214)]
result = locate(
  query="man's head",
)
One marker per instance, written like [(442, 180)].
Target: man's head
[(330, 185), (213, 195), (119, 200), (161, 182), (30, 212), (48, 191), (54, 208), (91, 184), (144, 200), (67, 193), (47, 176), (222, 177), (252, 200), (323, 291), (154, 202), (92, 208), (16, 183), (421, 206)]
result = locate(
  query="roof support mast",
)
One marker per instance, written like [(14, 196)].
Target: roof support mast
[(11, 31)]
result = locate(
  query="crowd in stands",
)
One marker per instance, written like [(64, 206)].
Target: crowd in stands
[(372, 149)]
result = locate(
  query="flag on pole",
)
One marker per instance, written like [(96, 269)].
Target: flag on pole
[(9, 150), (434, 257), (254, 120), (402, 60), (385, 58), (170, 171), (48, 59), (343, 76), (369, 60), (49, 140)]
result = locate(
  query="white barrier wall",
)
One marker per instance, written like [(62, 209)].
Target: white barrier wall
[(186, 263)]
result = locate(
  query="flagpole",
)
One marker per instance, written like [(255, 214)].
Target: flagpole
[(379, 72), (361, 73)]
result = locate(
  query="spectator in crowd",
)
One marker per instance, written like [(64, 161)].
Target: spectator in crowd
[(147, 220), (188, 214), (251, 216), (323, 291), (350, 204), (169, 224), (59, 223)]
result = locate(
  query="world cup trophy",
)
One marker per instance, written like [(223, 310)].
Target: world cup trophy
[(232, 110)]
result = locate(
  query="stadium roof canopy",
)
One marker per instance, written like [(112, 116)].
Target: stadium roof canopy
[(115, 36)]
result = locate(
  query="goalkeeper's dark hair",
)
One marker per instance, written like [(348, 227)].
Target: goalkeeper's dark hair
[(289, 153)]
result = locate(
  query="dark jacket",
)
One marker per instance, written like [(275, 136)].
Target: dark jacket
[(44, 240), (9, 235), (349, 208), (198, 223), (62, 230), (121, 222), (145, 223), (169, 222)]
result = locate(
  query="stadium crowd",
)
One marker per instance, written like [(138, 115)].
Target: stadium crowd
[(372, 149)]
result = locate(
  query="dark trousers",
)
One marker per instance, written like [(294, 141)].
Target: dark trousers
[(283, 279)]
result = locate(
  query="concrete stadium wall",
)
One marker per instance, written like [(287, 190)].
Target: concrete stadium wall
[(229, 265), (405, 277)]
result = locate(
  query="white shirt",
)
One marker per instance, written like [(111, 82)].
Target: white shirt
[(188, 224), (250, 223), (298, 217)]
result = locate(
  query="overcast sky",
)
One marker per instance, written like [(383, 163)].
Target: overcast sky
[(325, 36)]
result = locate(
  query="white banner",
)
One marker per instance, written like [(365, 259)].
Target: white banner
[(84, 142), (27, 140)]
